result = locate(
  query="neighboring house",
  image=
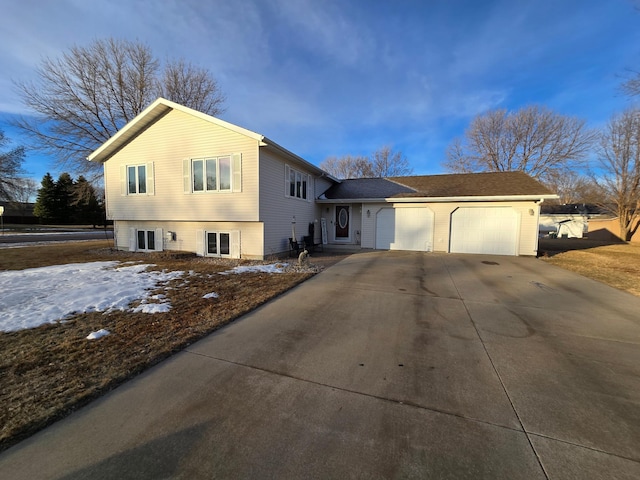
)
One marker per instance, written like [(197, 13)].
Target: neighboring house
[(567, 221), (18, 212), (608, 230), (177, 179)]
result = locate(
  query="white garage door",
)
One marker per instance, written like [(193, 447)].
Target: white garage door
[(408, 228), (489, 230)]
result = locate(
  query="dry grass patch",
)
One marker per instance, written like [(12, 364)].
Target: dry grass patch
[(617, 265), (49, 371), (20, 258)]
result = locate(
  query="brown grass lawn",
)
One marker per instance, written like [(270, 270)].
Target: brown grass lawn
[(49, 371), (617, 265)]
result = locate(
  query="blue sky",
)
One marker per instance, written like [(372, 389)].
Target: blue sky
[(325, 77)]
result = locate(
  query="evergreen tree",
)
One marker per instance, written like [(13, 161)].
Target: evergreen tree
[(88, 208), (64, 197), (68, 202), (45, 207)]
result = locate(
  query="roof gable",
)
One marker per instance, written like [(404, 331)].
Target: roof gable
[(148, 117)]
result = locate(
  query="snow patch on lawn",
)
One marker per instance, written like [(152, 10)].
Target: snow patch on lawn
[(99, 334), (36, 296), (210, 295)]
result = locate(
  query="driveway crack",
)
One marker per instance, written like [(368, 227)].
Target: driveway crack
[(493, 366), (357, 392)]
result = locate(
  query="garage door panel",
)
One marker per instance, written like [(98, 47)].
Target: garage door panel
[(385, 228), (484, 230), (404, 229)]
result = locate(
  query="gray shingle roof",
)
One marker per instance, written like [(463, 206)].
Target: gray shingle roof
[(359, 188), (449, 185)]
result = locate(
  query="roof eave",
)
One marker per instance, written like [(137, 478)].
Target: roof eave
[(266, 142), (491, 198)]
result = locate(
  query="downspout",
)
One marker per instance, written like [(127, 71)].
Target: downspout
[(538, 222)]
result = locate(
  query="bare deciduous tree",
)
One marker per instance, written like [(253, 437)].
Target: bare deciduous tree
[(631, 86), (387, 163), (27, 191), (84, 97), (573, 187), (191, 86), (10, 170), (384, 162), (619, 173), (534, 139), (347, 166)]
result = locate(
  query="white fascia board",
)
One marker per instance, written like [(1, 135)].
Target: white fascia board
[(496, 198)]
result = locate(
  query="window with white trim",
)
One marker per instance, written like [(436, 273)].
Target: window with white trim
[(296, 183), (137, 179), (146, 240), (213, 174), (218, 244)]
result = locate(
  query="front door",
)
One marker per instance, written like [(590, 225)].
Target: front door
[(342, 222)]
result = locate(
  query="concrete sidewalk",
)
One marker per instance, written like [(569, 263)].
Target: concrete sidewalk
[(386, 365)]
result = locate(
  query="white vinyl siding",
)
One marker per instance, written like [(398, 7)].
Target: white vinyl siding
[(245, 240), (171, 142), (369, 213), (277, 210)]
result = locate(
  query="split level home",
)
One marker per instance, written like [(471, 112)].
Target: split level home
[(178, 179)]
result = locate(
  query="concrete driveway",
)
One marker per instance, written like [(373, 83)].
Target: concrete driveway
[(386, 365)]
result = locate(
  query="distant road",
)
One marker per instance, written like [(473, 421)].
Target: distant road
[(8, 239)]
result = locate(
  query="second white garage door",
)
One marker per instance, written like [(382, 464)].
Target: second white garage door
[(489, 230), (408, 228)]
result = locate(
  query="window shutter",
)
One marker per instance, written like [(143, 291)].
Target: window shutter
[(200, 242), (151, 190), (235, 244), (310, 181), (159, 240), (236, 172), (286, 180), (133, 240), (186, 175), (123, 180)]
